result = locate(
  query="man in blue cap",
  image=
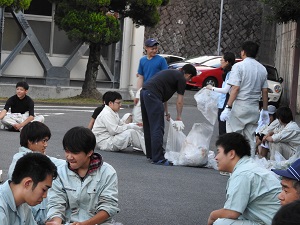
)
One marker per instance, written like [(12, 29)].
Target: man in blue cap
[(150, 64), (290, 183)]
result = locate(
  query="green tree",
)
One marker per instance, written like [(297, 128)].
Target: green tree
[(96, 22), (283, 11)]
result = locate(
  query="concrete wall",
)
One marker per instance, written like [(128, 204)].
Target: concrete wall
[(284, 59)]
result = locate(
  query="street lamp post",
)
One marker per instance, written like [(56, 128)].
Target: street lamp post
[(220, 27)]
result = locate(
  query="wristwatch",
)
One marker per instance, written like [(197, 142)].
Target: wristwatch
[(229, 107)]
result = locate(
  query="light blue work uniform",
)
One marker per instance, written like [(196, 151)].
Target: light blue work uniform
[(251, 77), (252, 191), (10, 214), (75, 200), (149, 67), (39, 211)]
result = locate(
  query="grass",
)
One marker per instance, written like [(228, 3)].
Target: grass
[(69, 101)]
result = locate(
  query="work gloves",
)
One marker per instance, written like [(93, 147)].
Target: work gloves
[(225, 114), (178, 125)]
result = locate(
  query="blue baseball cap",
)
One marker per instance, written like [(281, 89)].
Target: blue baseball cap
[(293, 172), (151, 42)]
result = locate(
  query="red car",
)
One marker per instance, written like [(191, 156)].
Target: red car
[(209, 72)]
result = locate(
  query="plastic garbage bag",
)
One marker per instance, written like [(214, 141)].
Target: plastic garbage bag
[(212, 162), (174, 142), (207, 104)]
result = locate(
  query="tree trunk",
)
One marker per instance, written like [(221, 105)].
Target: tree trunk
[(89, 87)]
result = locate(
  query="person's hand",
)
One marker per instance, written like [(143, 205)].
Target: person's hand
[(209, 87), (135, 101), (76, 223), (168, 116), (139, 124), (178, 125), (17, 126), (264, 114), (225, 114), (134, 126)]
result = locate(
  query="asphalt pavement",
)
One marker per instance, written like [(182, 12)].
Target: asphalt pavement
[(148, 194)]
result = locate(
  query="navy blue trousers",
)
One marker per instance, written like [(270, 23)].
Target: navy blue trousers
[(153, 124)]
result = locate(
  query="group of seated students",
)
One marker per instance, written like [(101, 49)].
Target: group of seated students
[(82, 189), (281, 134)]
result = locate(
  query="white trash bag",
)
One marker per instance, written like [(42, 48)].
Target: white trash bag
[(207, 104), (174, 142)]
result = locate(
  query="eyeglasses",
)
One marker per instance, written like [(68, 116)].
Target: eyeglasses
[(119, 103)]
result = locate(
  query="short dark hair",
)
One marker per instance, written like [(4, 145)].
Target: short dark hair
[(189, 69), (285, 114), (22, 84), (288, 214), (230, 58), (79, 139), (234, 141), (34, 132), (112, 96), (34, 165), (250, 48)]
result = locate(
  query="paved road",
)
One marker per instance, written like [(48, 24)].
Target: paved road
[(148, 194)]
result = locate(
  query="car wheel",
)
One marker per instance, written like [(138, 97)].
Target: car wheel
[(210, 80)]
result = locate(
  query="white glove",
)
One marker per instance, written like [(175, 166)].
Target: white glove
[(225, 114), (133, 126), (178, 125), (264, 115)]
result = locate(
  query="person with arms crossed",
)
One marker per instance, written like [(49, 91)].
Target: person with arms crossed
[(249, 81), (30, 182), (251, 193), (154, 97), (86, 190)]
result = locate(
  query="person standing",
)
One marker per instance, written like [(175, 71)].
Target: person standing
[(154, 96), (249, 82), (227, 62), (149, 64)]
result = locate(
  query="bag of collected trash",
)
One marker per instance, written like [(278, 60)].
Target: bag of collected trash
[(212, 162), (194, 151), (191, 150), (207, 104), (174, 142)]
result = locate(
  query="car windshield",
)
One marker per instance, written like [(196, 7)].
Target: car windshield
[(272, 73), (212, 63), (199, 60)]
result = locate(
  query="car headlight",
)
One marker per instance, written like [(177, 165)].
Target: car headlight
[(277, 88)]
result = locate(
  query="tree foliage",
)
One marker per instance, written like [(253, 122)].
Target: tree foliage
[(284, 11), (17, 4)]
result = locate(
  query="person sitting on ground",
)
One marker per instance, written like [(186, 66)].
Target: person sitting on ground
[(22, 109), (86, 191), (290, 182), (34, 137), (31, 179), (251, 190), (288, 214), (263, 148), (113, 134), (96, 112), (285, 138)]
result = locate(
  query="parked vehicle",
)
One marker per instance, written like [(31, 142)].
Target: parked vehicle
[(197, 61), (211, 73), (172, 58)]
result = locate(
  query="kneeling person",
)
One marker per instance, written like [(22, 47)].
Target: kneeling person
[(112, 133), (251, 196), (31, 179)]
